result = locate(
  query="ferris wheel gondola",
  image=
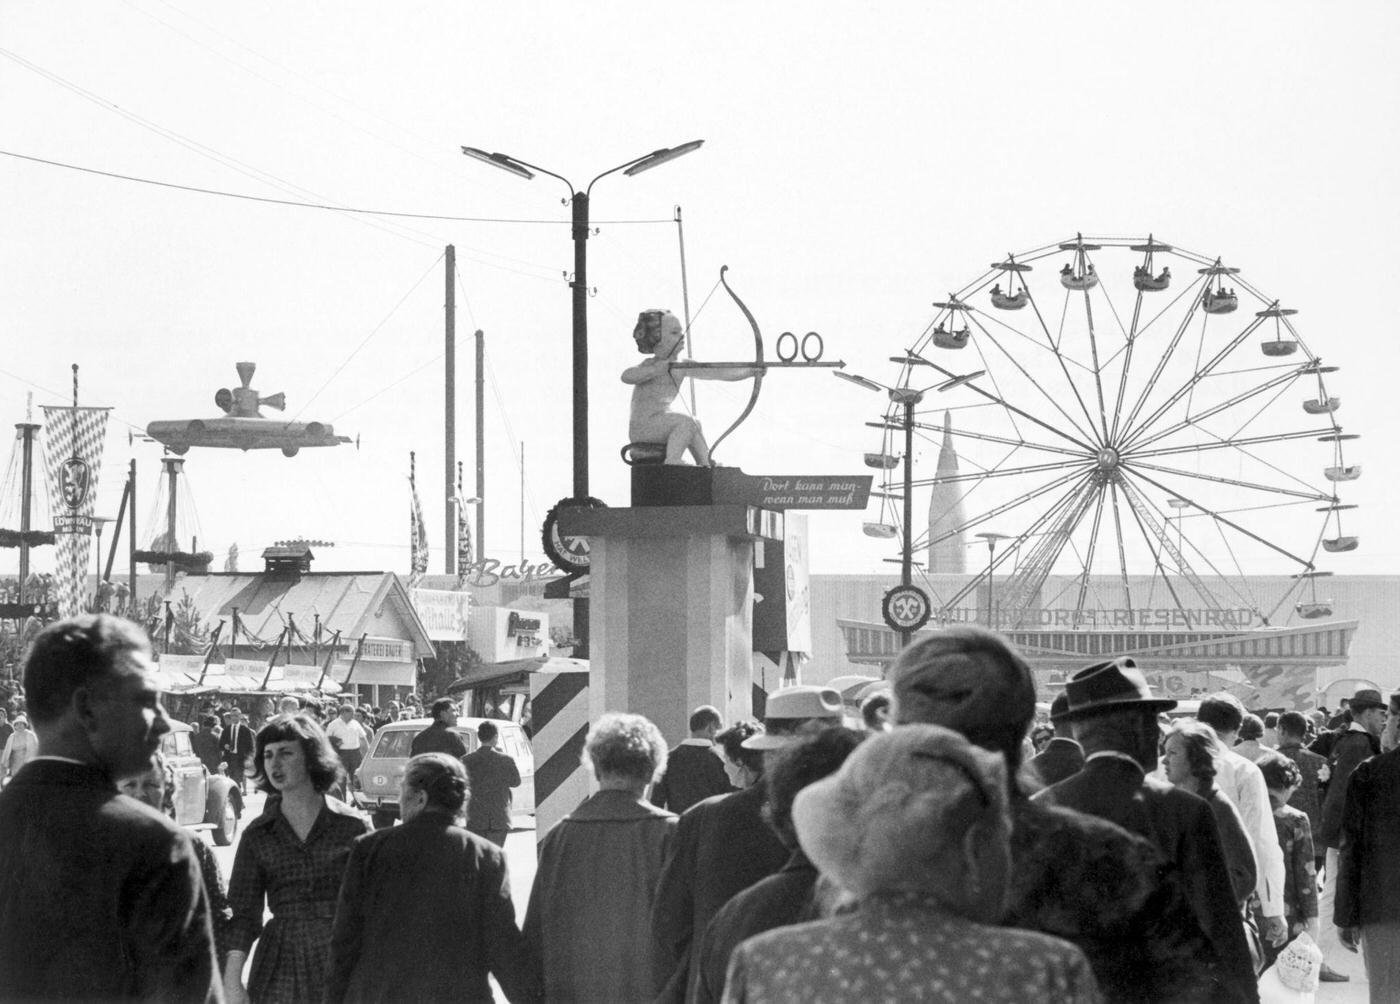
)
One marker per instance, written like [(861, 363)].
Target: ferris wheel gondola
[(1079, 273), (1147, 454), (1342, 541), (1013, 299), (1313, 608), (1143, 279)]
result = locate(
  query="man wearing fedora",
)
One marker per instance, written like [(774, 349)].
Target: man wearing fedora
[(1062, 756), (1367, 911), (1074, 875), (1360, 741), (723, 845), (1114, 716)]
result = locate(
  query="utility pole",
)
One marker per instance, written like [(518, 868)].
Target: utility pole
[(26, 431), (173, 465), (131, 536), (449, 530), (480, 446)]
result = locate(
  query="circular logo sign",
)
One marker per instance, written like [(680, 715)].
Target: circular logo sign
[(569, 554), (906, 608)]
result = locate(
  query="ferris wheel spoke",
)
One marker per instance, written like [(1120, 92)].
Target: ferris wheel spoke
[(1031, 574), (1283, 380), (1089, 558), (998, 399), (1098, 373), (1011, 358), (1221, 444), (1200, 374), (1122, 550), (1183, 543), (1219, 515), (1157, 541), (1240, 445), (1161, 366), (1220, 479), (989, 438), (1002, 509), (1060, 357), (1019, 540), (1004, 472)]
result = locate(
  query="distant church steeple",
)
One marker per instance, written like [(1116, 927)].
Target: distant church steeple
[(945, 510)]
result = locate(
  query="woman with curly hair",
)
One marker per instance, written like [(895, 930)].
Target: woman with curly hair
[(1189, 760), (588, 926), (292, 858)]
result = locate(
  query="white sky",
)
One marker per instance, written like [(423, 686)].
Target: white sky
[(860, 161)]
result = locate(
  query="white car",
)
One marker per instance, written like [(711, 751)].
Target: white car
[(382, 770)]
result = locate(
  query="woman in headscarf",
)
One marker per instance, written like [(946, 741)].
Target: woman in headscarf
[(290, 858), (915, 827)]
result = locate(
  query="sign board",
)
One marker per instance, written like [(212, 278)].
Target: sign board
[(500, 634), (443, 612), (792, 491), (783, 596)]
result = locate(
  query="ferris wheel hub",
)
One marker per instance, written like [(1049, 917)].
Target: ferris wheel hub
[(1108, 458)]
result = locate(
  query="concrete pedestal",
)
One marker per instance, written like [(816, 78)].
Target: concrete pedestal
[(671, 591)]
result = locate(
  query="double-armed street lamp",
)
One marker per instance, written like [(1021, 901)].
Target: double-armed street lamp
[(579, 200), (907, 398)]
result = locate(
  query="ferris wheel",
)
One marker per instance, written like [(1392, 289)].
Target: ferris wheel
[(1132, 425)]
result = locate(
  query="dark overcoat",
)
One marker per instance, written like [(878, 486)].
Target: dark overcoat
[(100, 896), (424, 914)]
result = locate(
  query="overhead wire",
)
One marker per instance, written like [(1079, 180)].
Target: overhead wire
[(295, 203), (194, 146), (374, 331)]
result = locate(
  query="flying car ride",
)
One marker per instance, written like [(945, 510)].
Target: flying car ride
[(244, 427)]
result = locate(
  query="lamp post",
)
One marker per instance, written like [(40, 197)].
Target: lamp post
[(991, 537), (98, 522), (579, 201), (907, 398)]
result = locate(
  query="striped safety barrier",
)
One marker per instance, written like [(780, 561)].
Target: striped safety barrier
[(559, 717)]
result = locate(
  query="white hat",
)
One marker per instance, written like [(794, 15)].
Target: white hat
[(791, 707)]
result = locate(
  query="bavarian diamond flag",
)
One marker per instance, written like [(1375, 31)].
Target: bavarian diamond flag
[(73, 441)]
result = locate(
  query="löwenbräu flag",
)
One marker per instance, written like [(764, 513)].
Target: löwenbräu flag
[(73, 442)]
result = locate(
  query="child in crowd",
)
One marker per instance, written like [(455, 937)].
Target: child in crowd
[(1282, 777)]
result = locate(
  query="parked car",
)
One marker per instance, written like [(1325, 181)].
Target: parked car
[(200, 800), (382, 769)]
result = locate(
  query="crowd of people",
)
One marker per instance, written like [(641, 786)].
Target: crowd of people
[(945, 845)]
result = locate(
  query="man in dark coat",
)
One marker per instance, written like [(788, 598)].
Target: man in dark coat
[(693, 771), (425, 909), (236, 747), (789, 896), (723, 845), (1360, 740), (492, 775), (101, 897), (1368, 881), (1074, 875), (439, 737), (1114, 716), (205, 743), (1062, 756)]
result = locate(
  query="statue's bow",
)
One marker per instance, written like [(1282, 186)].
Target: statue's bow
[(757, 361)]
